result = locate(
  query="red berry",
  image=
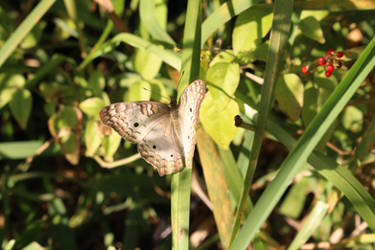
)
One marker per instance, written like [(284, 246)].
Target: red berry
[(340, 54), (330, 52), (339, 65), (330, 67), (305, 69), (328, 73), (322, 61)]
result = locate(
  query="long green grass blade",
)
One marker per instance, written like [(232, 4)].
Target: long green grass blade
[(306, 144), (147, 12), (168, 56), (339, 176), (327, 167), (279, 35), (181, 181), (24, 29), (314, 220)]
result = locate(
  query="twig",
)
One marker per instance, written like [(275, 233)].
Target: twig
[(105, 164)]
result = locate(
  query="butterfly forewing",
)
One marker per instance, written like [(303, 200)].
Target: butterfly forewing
[(132, 120), (188, 114)]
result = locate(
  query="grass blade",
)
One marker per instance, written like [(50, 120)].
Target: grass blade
[(279, 35), (24, 29), (181, 181), (168, 56), (306, 145), (315, 218), (147, 13)]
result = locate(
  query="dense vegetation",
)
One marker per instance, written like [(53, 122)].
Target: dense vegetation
[(298, 77)]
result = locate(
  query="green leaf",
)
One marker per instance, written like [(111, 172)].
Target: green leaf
[(92, 138), (8, 86), (146, 64), (33, 37), (97, 82), (20, 105), (138, 91), (119, 6), (222, 15), (368, 139), (250, 27), (317, 14), (310, 27), (5, 96), (19, 150), (217, 116), (352, 119), (226, 56), (294, 202), (155, 24), (110, 145), (310, 103), (223, 79), (218, 108), (158, 92), (92, 106), (63, 126), (33, 246), (289, 95)]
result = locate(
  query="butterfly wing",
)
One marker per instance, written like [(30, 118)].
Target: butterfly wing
[(149, 125), (132, 120), (161, 148), (188, 114)]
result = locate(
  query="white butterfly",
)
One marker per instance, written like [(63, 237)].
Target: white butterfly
[(165, 135)]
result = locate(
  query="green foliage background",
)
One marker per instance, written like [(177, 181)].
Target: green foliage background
[(62, 61)]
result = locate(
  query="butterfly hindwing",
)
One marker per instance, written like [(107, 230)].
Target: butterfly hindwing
[(160, 147)]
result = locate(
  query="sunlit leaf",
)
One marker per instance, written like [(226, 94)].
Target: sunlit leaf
[(217, 116), (353, 119), (310, 27), (92, 138), (92, 106), (63, 126), (110, 145), (138, 91), (251, 26), (289, 95)]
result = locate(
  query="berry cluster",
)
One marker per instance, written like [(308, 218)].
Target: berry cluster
[(331, 60)]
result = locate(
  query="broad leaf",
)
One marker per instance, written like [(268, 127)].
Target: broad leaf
[(251, 26), (289, 95), (138, 91), (92, 106), (64, 126), (310, 27), (20, 105), (92, 138)]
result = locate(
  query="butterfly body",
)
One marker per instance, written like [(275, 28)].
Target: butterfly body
[(165, 135)]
